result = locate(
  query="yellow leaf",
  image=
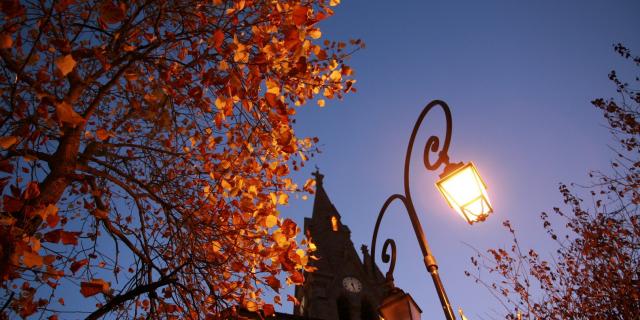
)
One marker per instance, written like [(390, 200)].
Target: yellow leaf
[(274, 198), (221, 103), (284, 199), (31, 259), (252, 306), (225, 185), (280, 239), (67, 115), (270, 221), (335, 76), (321, 102), (315, 33), (273, 87), (216, 246), (334, 3), (7, 142), (65, 64), (241, 54)]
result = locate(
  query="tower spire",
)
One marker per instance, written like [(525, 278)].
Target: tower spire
[(322, 206)]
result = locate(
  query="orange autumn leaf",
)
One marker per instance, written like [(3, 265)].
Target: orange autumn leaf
[(65, 64), (251, 306), (7, 142), (182, 110), (94, 287), (102, 134), (31, 259), (67, 115), (5, 41)]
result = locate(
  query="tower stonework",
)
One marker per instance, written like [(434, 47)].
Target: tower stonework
[(343, 287)]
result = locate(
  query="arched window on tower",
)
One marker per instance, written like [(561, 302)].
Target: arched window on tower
[(344, 312), (367, 312), (334, 223)]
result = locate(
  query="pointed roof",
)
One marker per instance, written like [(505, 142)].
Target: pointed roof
[(322, 206)]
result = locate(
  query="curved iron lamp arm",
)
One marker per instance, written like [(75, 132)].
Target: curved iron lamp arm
[(432, 145)]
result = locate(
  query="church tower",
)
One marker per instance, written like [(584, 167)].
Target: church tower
[(343, 287)]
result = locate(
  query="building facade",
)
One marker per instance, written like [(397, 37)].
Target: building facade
[(343, 287)]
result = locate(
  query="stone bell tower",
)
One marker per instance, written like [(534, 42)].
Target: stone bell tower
[(343, 287)]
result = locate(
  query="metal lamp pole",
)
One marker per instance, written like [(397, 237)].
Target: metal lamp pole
[(432, 145)]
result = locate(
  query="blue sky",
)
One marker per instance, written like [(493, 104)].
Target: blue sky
[(519, 77)]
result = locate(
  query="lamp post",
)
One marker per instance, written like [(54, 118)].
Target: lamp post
[(464, 191)]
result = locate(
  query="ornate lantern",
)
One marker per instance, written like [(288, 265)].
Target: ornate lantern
[(465, 192)]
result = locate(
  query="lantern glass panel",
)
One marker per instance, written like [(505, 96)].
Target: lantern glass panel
[(466, 193)]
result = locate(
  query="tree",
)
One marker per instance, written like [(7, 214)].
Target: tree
[(146, 146), (595, 271)]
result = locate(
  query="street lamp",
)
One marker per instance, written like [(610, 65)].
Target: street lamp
[(464, 191)]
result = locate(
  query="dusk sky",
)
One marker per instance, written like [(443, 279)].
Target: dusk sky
[(519, 77)]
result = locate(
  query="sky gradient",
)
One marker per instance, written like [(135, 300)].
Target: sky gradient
[(518, 77)]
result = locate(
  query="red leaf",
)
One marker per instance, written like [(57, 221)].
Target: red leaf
[(52, 220), (272, 99), (69, 237), (94, 287), (268, 310), (297, 277), (31, 191), (218, 39), (52, 236), (12, 204), (300, 15), (293, 299), (289, 228), (6, 166), (111, 14), (274, 283), (78, 264)]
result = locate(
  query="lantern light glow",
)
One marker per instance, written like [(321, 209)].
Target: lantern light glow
[(466, 193)]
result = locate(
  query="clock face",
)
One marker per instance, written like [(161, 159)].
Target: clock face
[(352, 284)]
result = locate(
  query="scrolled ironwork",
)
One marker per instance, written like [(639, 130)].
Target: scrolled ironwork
[(432, 146), (391, 259)]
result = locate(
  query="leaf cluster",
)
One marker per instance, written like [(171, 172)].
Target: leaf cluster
[(146, 146)]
